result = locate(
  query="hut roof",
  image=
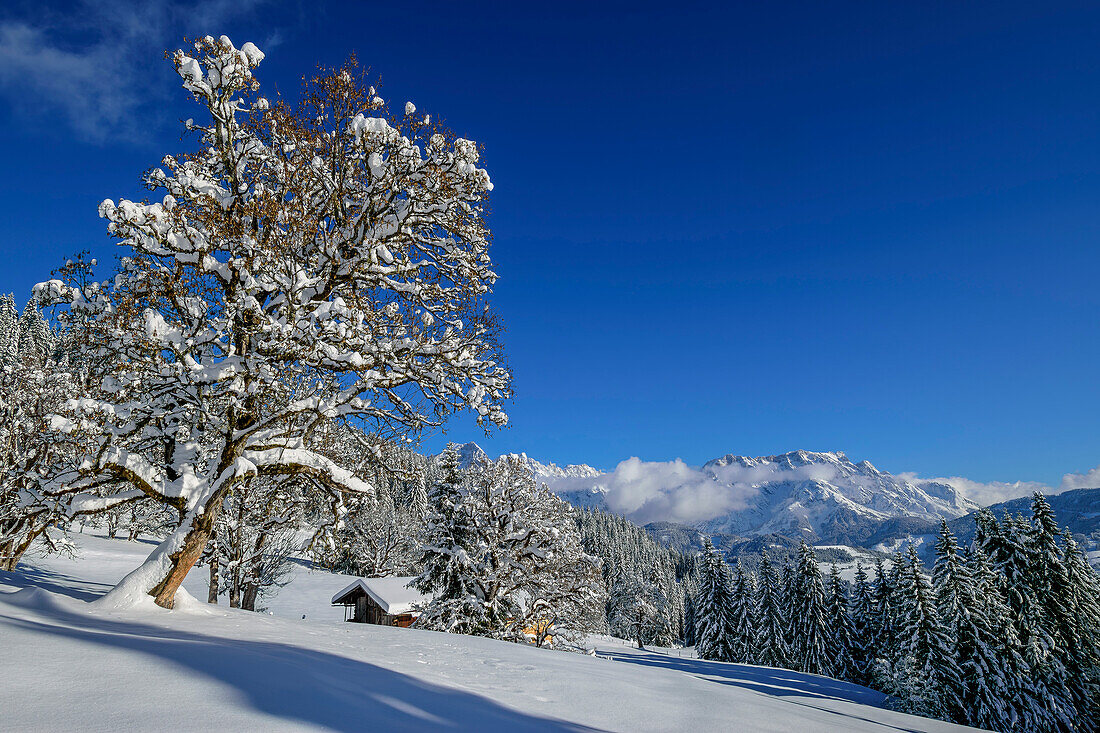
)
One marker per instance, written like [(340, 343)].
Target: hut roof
[(392, 594)]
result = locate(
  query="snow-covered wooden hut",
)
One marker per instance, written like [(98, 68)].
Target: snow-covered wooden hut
[(383, 601)]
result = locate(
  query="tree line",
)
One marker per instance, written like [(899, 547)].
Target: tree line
[(1003, 635)]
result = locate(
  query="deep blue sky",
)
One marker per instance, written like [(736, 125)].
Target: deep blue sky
[(751, 229)]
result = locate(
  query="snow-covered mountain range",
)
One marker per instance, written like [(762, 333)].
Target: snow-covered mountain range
[(826, 494), (824, 497)]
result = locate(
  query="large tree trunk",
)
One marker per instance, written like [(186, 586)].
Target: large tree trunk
[(163, 571), (183, 559)]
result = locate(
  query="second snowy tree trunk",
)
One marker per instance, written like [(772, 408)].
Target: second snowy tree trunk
[(212, 593)]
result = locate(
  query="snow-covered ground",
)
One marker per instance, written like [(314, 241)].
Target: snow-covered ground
[(69, 664)]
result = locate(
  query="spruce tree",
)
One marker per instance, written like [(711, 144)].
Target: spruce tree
[(927, 676), (1009, 543), (787, 590), (36, 338), (809, 634), (741, 615), (884, 636), (713, 626), (985, 692), (770, 644), (9, 330), (861, 608), (841, 630), (635, 606), (448, 545), (690, 591), (1023, 709), (1050, 586), (1084, 588)]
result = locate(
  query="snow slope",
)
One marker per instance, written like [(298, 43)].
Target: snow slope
[(71, 664)]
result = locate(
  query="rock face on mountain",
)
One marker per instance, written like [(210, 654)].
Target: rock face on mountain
[(825, 497)]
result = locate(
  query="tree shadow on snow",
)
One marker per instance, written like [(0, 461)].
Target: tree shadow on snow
[(313, 687), (30, 576), (767, 680)]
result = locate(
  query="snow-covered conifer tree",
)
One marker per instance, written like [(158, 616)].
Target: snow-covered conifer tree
[(809, 651), (1056, 599), (633, 607), (302, 266), (771, 640), (742, 626), (9, 332), (885, 613), (986, 694), (861, 608), (1084, 588), (926, 678), (841, 632), (1023, 709), (631, 559), (690, 589), (714, 630), (1006, 543), (448, 547)]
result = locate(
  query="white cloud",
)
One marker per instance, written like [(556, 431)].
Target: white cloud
[(1090, 480), (90, 66), (983, 494), (993, 492), (649, 491)]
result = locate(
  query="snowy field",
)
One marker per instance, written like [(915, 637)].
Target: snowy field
[(69, 664)]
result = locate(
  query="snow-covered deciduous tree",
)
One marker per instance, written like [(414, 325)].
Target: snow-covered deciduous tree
[(304, 265), (502, 557), (255, 536), (34, 384), (376, 541)]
